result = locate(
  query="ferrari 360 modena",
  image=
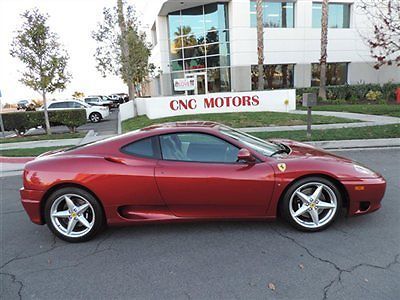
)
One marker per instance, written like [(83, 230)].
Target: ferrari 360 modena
[(189, 171)]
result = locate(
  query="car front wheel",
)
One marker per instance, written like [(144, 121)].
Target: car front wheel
[(311, 204), (95, 117), (73, 214)]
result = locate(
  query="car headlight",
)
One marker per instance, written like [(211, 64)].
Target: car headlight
[(364, 170)]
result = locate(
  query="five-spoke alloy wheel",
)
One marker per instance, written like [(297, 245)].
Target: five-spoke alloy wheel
[(73, 214), (311, 204)]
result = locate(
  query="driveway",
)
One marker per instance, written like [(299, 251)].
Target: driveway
[(357, 258)]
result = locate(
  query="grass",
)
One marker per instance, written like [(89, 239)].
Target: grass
[(29, 151), (392, 110), (371, 132), (55, 136), (247, 119)]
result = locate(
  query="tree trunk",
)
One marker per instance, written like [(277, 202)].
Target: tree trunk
[(46, 114), (131, 91), (324, 45), (260, 44)]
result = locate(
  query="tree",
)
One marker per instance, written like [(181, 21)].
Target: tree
[(122, 50), (78, 95), (384, 42), (260, 44), (324, 48), (45, 60)]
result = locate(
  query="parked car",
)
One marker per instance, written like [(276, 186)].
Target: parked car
[(93, 113), (189, 171), (116, 99), (99, 101), (22, 104), (124, 97)]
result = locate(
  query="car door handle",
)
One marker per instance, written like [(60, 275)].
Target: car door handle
[(115, 160)]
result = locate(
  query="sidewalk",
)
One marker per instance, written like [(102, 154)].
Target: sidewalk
[(90, 137)]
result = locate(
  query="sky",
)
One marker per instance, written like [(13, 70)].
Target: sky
[(73, 21)]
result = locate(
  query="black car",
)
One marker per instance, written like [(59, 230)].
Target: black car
[(22, 104)]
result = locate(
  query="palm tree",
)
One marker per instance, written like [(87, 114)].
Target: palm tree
[(324, 45), (260, 44)]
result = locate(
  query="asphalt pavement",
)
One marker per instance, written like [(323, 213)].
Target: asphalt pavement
[(356, 258)]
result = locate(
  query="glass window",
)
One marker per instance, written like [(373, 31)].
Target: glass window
[(215, 16), (142, 148), (59, 105), (275, 14), (197, 147), (338, 15), (76, 105), (199, 39), (336, 74), (259, 145), (275, 76), (218, 80), (195, 63)]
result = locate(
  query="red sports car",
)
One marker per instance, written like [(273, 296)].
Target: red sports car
[(193, 171)]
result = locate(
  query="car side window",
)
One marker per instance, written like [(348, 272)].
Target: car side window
[(76, 105), (197, 147), (58, 105), (143, 148)]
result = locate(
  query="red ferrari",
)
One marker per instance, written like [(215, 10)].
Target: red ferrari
[(193, 171)]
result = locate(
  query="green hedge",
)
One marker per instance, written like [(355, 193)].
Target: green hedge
[(20, 122), (355, 93)]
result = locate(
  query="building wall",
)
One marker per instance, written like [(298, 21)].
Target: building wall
[(299, 46)]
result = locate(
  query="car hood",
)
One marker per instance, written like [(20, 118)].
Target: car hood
[(302, 150)]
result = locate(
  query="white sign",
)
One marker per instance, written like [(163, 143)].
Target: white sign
[(276, 100), (184, 84)]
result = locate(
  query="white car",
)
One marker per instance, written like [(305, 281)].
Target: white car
[(99, 101), (93, 113)]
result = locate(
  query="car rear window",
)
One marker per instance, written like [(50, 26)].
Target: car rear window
[(142, 148)]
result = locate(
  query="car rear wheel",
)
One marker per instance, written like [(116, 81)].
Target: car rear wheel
[(73, 214), (311, 204), (95, 117)]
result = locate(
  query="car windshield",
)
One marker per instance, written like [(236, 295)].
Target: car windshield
[(258, 145)]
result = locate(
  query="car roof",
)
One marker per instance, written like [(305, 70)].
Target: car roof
[(183, 124)]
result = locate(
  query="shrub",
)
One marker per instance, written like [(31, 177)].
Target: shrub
[(355, 93), (20, 122), (373, 95), (72, 118)]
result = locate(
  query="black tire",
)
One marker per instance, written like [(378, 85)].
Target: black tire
[(284, 205), (95, 117), (99, 220)]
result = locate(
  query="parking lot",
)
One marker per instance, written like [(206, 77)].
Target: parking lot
[(356, 258)]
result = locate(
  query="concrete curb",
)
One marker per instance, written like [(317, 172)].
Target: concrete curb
[(352, 144)]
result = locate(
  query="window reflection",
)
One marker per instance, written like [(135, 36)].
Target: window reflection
[(336, 74), (275, 14), (199, 39), (338, 16), (218, 80), (275, 76)]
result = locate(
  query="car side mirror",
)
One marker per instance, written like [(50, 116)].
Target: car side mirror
[(245, 155)]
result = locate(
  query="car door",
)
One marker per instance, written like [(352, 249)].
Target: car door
[(199, 176)]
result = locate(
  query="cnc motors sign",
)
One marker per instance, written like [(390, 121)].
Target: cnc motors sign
[(184, 84), (277, 100)]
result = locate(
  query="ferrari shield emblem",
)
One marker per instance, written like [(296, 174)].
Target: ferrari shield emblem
[(282, 167)]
